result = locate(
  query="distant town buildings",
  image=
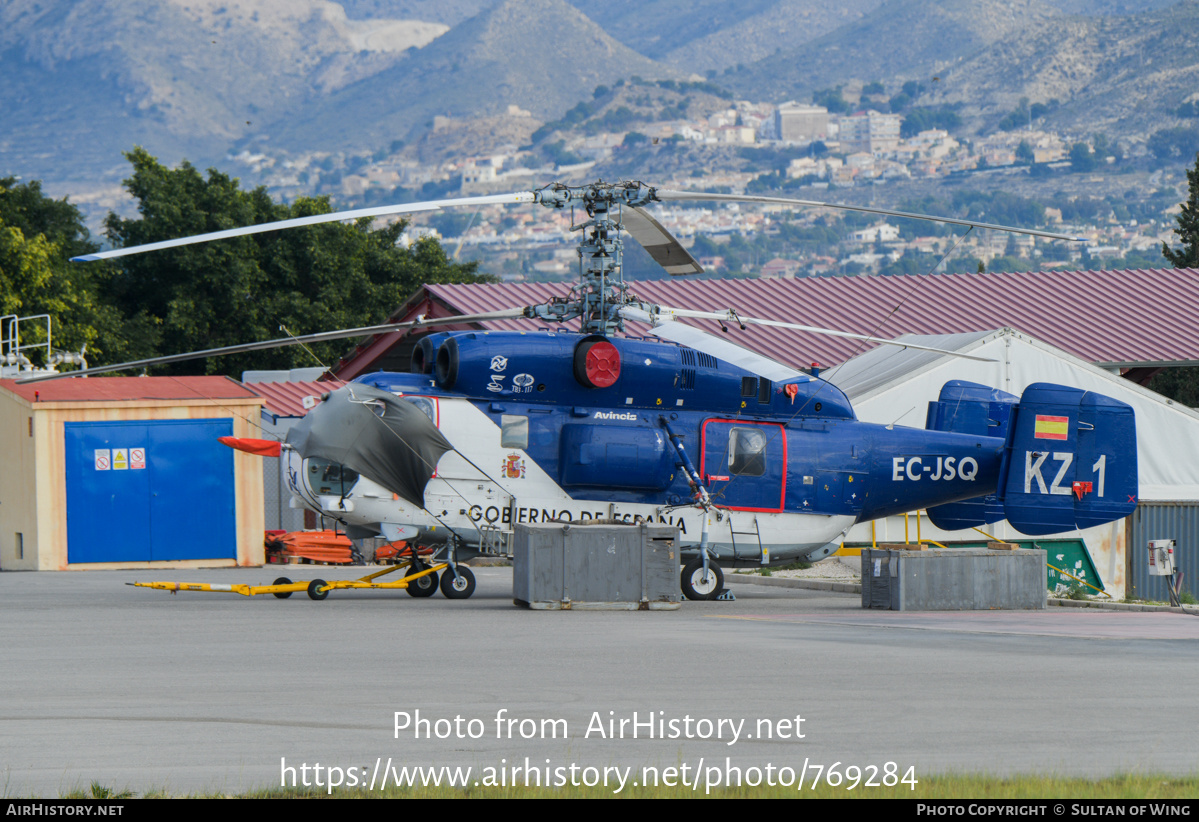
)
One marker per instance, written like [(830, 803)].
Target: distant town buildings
[(478, 177), (869, 131), (795, 123), (880, 233), (823, 150)]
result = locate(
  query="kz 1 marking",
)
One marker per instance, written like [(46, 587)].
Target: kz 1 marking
[(1033, 460), (913, 468)]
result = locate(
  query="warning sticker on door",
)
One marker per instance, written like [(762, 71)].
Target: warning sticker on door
[(137, 458), (120, 459), (103, 459)]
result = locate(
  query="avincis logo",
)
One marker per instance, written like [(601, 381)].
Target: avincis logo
[(613, 415)]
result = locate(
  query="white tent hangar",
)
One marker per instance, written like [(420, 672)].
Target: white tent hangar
[(890, 385)]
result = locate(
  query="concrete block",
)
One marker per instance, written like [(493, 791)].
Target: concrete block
[(967, 579), (596, 567)]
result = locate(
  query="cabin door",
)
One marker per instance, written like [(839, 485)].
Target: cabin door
[(744, 464)]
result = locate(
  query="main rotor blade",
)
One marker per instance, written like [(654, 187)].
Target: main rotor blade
[(666, 315), (325, 336), (666, 195), (666, 250), (337, 216)]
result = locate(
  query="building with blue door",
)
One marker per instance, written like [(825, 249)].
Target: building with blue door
[(127, 472)]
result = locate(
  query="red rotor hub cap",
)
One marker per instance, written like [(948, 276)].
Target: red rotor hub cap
[(602, 364)]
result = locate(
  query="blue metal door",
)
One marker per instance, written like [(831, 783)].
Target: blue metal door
[(744, 464), (108, 510), (144, 490)]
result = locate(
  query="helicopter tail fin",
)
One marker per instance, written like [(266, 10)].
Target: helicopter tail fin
[(1070, 460), (969, 408)]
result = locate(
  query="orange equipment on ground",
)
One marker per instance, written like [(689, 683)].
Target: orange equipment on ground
[(315, 546), (399, 550)]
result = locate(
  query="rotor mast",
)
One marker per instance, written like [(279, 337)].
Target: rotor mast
[(601, 292)]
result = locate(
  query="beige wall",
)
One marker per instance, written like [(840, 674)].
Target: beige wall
[(18, 511), (33, 489)]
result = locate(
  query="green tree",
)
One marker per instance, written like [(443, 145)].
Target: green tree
[(1173, 144), (923, 119), (1188, 226), (315, 278), (1182, 384), (38, 235), (1081, 158), (831, 99), (1179, 384)]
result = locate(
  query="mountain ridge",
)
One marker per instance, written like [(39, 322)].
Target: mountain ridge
[(204, 78), (470, 71)]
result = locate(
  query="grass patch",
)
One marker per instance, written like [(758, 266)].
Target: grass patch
[(771, 570), (1076, 592), (937, 786), (99, 791), (1185, 598), (798, 565)]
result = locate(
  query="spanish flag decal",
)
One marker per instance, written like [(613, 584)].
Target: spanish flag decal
[(1051, 428)]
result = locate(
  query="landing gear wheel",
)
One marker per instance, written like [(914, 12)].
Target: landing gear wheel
[(314, 590), (421, 587), (282, 594), (694, 585), (457, 588)]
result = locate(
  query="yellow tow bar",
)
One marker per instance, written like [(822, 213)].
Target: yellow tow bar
[(283, 587)]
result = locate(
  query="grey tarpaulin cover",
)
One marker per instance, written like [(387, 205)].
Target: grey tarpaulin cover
[(381, 436)]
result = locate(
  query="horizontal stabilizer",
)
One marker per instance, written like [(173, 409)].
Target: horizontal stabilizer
[(969, 513), (969, 408), (1070, 461)]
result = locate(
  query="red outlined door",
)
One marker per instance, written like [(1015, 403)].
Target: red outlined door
[(744, 464)]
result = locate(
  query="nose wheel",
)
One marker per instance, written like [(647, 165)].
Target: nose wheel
[(698, 585), (460, 586)]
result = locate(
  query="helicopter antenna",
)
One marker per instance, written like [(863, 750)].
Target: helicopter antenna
[(900, 417)]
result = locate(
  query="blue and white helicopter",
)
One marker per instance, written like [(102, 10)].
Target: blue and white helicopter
[(756, 463)]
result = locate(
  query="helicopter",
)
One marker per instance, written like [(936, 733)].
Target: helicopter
[(754, 462)]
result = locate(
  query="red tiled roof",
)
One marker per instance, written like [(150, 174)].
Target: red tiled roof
[(286, 399), (124, 389), (1125, 317)]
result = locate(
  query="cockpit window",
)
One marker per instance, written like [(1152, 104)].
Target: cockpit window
[(425, 405), (747, 452), (514, 431), (326, 477)]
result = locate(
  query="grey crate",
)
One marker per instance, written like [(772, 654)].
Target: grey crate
[(618, 567), (967, 579)]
